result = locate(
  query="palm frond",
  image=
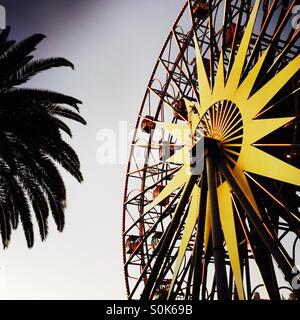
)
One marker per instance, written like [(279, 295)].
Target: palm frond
[(13, 213), (57, 210), (6, 46), (39, 204), (29, 70), (60, 124), (22, 208), (16, 53), (46, 97), (65, 156), (5, 226), (66, 113)]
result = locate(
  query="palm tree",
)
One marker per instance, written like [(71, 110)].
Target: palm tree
[(31, 144)]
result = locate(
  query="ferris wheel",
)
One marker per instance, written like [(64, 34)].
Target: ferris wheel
[(213, 182)]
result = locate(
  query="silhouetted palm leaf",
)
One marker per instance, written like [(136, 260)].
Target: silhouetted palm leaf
[(33, 68), (31, 143)]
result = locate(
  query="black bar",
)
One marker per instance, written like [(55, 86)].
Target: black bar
[(247, 272), (217, 234), (200, 240)]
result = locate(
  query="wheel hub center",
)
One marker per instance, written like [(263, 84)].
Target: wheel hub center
[(222, 127)]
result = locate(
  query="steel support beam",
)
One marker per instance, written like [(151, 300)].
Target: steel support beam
[(216, 229), (199, 240)]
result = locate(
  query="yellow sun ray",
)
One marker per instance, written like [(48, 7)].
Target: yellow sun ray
[(228, 226), (260, 162), (246, 87), (258, 129), (260, 99), (190, 223), (182, 156), (203, 81), (177, 181), (189, 105), (237, 68), (194, 119), (220, 77), (238, 174)]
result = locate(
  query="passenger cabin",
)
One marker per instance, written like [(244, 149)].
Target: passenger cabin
[(179, 109), (157, 192), (148, 124), (155, 239), (292, 296), (230, 32), (163, 290), (200, 9), (131, 243)]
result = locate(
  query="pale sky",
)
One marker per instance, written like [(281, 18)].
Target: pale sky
[(114, 45)]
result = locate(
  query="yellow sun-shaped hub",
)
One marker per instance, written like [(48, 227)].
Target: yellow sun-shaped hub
[(227, 112)]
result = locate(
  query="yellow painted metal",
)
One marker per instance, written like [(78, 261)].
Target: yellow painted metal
[(182, 156), (190, 223), (237, 68), (228, 226), (178, 180), (258, 129), (238, 174), (220, 77), (253, 105), (185, 134), (246, 86), (204, 85), (256, 161)]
